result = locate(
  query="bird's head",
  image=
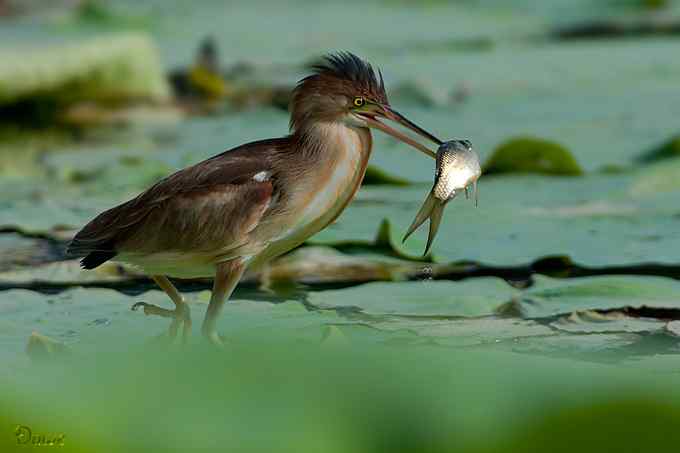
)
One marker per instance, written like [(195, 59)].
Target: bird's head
[(344, 88)]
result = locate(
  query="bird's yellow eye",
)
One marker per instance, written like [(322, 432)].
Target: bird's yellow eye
[(359, 102)]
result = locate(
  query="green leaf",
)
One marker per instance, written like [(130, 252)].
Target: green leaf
[(88, 318), (488, 331), (667, 150), (550, 297), (469, 298), (532, 155)]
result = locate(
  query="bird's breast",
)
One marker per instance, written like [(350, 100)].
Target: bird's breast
[(328, 185), (335, 182)]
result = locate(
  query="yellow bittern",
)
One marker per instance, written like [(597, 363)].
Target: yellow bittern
[(252, 203)]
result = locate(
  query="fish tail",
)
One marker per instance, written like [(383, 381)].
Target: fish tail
[(423, 214), (435, 221)]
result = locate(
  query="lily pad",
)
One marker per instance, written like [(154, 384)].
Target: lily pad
[(596, 221), (107, 170), (595, 346), (595, 322), (315, 264), (66, 273), (657, 178), (667, 150), (470, 298), (532, 155), (17, 251), (468, 332), (550, 297), (56, 217), (86, 318)]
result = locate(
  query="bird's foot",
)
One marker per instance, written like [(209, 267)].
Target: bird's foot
[(181, 316), (214, 338)]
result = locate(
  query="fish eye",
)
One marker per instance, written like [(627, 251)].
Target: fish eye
[(359, 101)]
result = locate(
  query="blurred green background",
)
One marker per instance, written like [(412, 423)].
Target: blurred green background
[(546, 319)]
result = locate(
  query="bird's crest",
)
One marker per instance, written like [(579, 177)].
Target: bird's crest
[(347, 66), (340, 73)]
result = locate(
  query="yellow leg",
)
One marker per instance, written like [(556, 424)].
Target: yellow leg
[(181, 315), (227, 277)]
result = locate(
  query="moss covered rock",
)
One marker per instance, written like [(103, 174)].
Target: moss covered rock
[(532, 155), (111, 69), (667, 150)]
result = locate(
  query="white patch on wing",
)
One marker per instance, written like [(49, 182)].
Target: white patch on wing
[(262, 176)]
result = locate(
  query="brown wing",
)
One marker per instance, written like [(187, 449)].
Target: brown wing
[(201, 207)]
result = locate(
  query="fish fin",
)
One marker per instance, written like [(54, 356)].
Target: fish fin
[(435, 221), (423, 214), (475, 188)]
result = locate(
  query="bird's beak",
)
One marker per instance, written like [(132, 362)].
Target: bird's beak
[(385, 111)]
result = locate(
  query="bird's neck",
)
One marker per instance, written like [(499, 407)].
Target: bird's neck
[(331, 140)]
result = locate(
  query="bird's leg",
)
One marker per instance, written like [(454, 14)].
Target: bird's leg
[(180, 315), (227, 277)]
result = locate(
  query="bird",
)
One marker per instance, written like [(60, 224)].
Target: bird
[(243, 207)]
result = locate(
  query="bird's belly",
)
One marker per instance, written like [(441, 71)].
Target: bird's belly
[(172, 264)]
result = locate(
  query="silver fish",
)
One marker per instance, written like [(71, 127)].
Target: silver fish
[(457, 169)]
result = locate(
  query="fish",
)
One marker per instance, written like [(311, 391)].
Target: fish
[(457, 169)]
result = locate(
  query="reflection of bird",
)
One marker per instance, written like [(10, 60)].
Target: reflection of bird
[(257, 201)]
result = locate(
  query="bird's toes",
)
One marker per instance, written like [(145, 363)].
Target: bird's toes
[(150, 309), (215, 339), (136, 305)]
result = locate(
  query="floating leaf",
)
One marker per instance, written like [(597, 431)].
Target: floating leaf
[(590, 321), (667, 150), (469, 298), (67, 273), (85, 318), (550, 297), (17, 251), (316, 264), (532, 155), (468, 332)]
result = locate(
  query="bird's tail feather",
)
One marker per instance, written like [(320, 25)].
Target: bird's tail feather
[(94, 259)]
